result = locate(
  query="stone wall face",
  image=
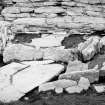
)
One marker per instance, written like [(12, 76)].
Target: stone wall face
[(75, 16)]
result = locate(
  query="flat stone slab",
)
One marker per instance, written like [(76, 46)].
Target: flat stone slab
[(35, 75), (91, 74), (16, 79)]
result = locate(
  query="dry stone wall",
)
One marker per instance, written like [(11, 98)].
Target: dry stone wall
[(77, 16)]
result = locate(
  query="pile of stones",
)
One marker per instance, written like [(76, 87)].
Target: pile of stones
[(35, 63)]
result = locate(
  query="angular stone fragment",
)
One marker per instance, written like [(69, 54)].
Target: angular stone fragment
[(84, 83), (35, 76), (99, 88), (21, 52), (58, 90), (46, 86), (89, 48), (57, 54), (91, 74), (64, 83), (76, 66), (74, 89)]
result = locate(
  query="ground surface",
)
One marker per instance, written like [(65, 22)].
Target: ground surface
[(89, 97)]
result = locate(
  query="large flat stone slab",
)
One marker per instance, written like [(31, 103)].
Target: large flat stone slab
[(16, 79), (35, 75)]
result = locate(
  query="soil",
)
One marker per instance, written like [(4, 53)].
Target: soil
[(89, 97)]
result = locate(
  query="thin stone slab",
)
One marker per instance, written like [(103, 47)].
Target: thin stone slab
[(35, 75), (49, 41), (91, 74)]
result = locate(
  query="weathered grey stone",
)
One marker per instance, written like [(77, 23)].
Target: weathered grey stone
[(49, 41), (21, 52), (35, 76), (16, 79), (84, 83), (91, 74), (89, 48), (46, 86), (10, 10), (50, 9), (74, 89), (58, 90), (57, 54), (99, 88), (64, 83), (30, 21), (76, 66)]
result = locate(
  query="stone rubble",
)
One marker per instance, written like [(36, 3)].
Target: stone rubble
[(53, 20)]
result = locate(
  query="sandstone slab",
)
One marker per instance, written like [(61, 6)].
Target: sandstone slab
[(91, 74), (49, 41), (16, 79), (35, 76), (21, 52)]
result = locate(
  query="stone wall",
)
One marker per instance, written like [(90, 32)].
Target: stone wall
[(75, 16)]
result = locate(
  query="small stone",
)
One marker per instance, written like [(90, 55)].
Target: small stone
[(74, 89), (84, 83), (63, 83), (46, 86), (99, 88), (59, 90)]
